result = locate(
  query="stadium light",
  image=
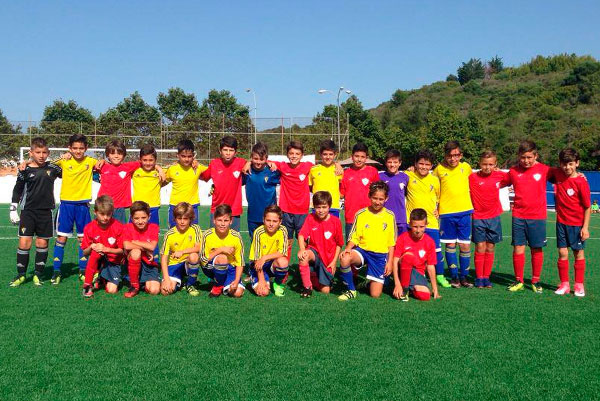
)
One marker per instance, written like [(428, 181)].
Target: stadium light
[(254, 96), (342, 89)]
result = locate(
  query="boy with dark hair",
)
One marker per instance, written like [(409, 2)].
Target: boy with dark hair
[(34, 191), (226, 174), (573, 210), (103, 244), (325, 177), (397, 181), (321, 240)]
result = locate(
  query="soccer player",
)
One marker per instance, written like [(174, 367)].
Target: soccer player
[(356, 183), (325, 177), (414, 253), (261, 187), (371, 242), (184, 178), (180, 254), (34, 190), (103, 244), (223, 255), (397, 181), (140, 238), (595, 207), (423, 191), (226, 174), (528, 179), (75, 195), (455, 209), (322, 232), (486, 226), (573, 210), (268, 256)]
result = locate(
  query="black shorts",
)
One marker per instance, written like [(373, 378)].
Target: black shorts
[(37, 223), (149, 273)]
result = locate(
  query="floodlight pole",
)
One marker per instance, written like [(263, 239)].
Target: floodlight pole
[(254, 96), (321, 91)]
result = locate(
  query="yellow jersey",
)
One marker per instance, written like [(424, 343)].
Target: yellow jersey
[(185, 183), (374, 232), (76, 179), (454, 188), (146, 187), (423, 193), (178, 241), (323, 178), (211, 241), (265, 244)]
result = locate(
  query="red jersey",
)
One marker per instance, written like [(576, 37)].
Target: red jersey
[(294, 196), (111, 236), (227, 179), (115, 181), (150, 234), (572, 197), (485, 194), (355, 189), (323, 236), (423, 250), (530, 190)]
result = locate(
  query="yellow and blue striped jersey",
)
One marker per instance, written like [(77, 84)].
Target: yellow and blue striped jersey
[(211, 241), (265, 244), (423, 193), (146, 187), (178, 241), (375, 232), (323, 178), (76, 178), (185, 183), (454, 188)]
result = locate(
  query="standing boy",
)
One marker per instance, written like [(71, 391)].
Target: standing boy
[(324, 176), (397, 181), (147, 182)]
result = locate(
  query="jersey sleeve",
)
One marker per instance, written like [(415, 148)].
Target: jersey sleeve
[(431, 254), (436, 188), (205, 175), (239, 251), (375, 175), (284, 243), (468, 168), (127, 234), (154, 231), (255, 246), (354, 236), (399, 247), (166, 246), (584, 193), (198, 234), (391, 234), (343, 184), (339, 236), (310, 176), (87, 239), (506, 180), (169, 174), (201, 169), (436, 172), (120, 236), (305, 230), (274, 178), (132, 166), (19, 187)]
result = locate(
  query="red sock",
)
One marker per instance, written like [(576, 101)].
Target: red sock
[(91, 268), (421, 295), (579, 271), (563, 270), (406, 265), (305, 276), (479, 264), (488, 263), (134, 267), (537, 261), (519, 265)]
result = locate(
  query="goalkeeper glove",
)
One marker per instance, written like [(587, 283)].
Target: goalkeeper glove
[(14, 215)]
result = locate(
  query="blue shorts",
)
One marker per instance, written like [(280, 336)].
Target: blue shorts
[(235, 222), (455, 227), (222, 274), (252, 226), (416, 278), (487, 230), (530, 232), (401, 228), (176, 273), (149, 273), (120, 215), (70, 213), (569, 237), (375, 264), (111, 272), (325, 277), (172, 219), (333, 212), (435, 236), (293, 223), (265, 270)]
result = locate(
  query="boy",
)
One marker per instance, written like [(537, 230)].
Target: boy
[(371, 242), (322, 231), (355, 184), (455, 209), (573, 209), (486, 230), (75, 195), (261, 187), (226, 174), (223, 255), (180, 252), (324, 177), (185, 180), (397, 181), (103, 244), (595, 207), (268, 254), (528, 179), (413, 254), (140, 238), (423, 191), (34, 190)]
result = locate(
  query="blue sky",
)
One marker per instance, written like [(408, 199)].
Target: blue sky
[(97, 53)]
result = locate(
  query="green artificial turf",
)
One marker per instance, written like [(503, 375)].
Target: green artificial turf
[(473, 344)]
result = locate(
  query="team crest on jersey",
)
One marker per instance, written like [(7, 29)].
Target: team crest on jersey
[(112, 240), (414, 181), (48, 173), (365, 181), (497, 185), (462, 170), (327, 234), (430, 188), (122, 174), (189, 237), (236, 174), (537, 176), (402, 186), (87, 166), (70, 167), (570, 192), (367, 225), (302, 177), (421, 253), (266, 179), (23, 230), (384, 226)]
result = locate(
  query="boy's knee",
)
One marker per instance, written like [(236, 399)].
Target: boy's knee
[(193, 258), (135, 254), (220, 260), (111, 288)]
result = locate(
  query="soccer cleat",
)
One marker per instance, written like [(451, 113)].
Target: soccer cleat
[(278, 289), (349, 294), (563, 288), (37, 281), (88, 292), (441, 280), (537, 288), (192, 290), (579, 290), (404, 296), (305, 292), (131, 293), (56, 277), (487, 283), (464, 282), (17, 281), (516, 286), (479, 282), (455, 282), (216, 291), (81, 277)]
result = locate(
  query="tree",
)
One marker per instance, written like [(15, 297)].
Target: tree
[(473, 69), (399, 97), (495, 65), (176, 104), (11, 138), (223, 103), (70, 111), (61, 120), (132, 109), (451, 78)]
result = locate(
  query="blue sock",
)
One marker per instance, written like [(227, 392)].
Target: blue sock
[(192, 272), (82, 261), (439, 267), (279, 273), (59, 254), (347, 277), (220, 276), (464, 261), (452, 261)]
